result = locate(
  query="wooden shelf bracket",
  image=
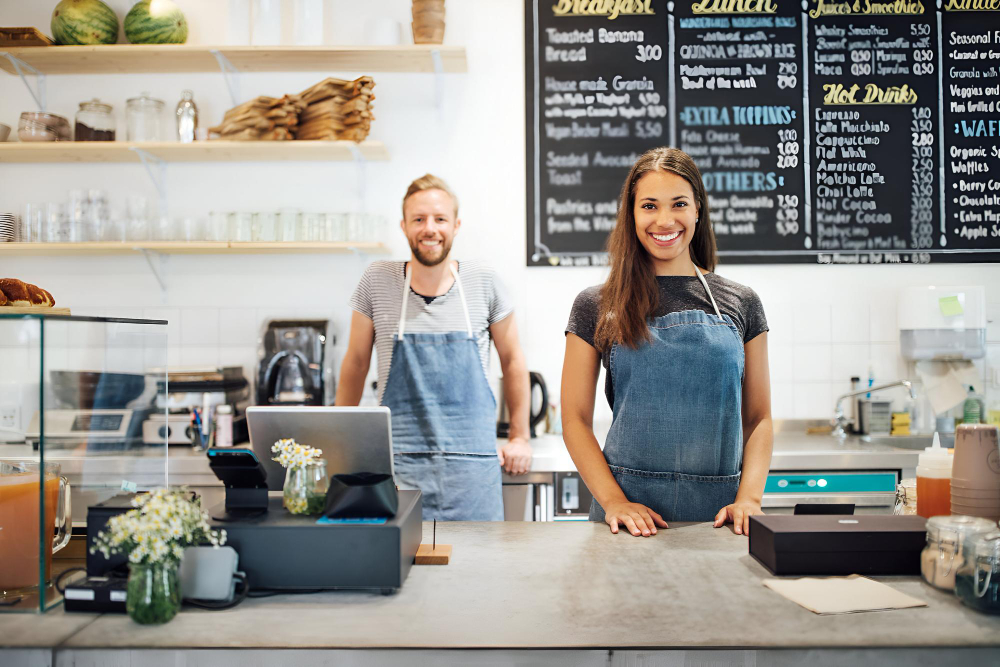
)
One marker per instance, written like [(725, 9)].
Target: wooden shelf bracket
[(438, 79), (20, 66), (230, 74), (157, 170)]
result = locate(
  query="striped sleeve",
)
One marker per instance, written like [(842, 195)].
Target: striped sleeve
[(361, 300), (500, 304)]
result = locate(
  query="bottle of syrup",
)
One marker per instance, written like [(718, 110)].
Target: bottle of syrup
[(934, 481)]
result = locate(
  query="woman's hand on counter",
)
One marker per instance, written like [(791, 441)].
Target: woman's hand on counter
[(638, 519), (738, 514), (515, 456)]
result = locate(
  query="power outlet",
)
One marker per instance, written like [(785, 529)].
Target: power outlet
[(10, 417)]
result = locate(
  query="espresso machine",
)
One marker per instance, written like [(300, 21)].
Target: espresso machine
[(296, 363)]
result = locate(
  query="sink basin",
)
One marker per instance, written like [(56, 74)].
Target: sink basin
[(910, 441)]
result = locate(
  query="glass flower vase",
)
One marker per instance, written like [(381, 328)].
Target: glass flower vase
[(305, 488), (153, 595)]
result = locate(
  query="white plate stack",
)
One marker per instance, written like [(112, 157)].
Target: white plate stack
[(8, 227)]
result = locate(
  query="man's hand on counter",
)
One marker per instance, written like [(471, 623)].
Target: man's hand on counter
[(738, 514), (515, 456)]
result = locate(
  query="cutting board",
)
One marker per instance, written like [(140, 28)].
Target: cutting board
[(23, 37), (32, 310)]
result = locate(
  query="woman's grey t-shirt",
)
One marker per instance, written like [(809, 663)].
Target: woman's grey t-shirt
[(677, 293), (379, 297)]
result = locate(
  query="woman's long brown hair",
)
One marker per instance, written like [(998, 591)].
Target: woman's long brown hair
[(630, 295)]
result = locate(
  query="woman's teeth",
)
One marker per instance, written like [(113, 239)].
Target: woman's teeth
[(662, 238)]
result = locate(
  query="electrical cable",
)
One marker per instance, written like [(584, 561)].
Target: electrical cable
[(59, 579), (213, 605)]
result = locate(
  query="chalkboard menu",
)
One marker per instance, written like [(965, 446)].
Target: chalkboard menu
[(827, 131)]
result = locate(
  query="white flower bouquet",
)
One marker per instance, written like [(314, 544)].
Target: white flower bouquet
[(305, 482), (291, 454), (163, 522)]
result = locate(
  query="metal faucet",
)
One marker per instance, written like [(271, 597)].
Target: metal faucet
[(839, 421)]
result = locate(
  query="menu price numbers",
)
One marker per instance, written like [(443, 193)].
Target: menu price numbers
[(861, 63), (788, 149), (788, 215), (648, 52), (652, 103), (788, 75), (646, 129), (921, 201), (923, 61)]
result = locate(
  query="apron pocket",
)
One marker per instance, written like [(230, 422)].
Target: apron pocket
[(675, 496)]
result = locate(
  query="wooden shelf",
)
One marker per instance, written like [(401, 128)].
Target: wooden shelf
[(182, 248), (198, 151), (163, 58)]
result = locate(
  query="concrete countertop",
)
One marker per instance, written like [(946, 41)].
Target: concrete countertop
[(544, 585)]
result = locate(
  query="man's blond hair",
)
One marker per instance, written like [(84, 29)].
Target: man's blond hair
[(429, 182)]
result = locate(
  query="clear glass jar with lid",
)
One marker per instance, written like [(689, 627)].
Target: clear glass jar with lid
[(95, 121), (946, 536), (977, 581), (144, 118), (906, 496)]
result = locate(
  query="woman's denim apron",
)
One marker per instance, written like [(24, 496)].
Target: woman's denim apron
[(676, 439), (444, 421)]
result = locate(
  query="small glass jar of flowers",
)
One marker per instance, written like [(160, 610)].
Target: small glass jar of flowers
[(306, 483), (154, 536)]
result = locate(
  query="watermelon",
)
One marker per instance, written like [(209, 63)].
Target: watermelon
[(156, 22), (84, 22)]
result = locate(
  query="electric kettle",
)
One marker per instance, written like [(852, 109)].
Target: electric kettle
[(536, 417)]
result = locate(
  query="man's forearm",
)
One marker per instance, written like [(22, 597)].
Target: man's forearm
[(351, 385), (517, 393)]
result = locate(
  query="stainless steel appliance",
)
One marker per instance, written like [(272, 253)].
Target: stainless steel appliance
[(295, 363), (189, 389), (539, 405)]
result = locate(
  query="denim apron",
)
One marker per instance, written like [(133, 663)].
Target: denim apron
[(444, 421), (676, 438)]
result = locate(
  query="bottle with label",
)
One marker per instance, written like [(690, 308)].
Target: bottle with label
[(187, 117), (934, 480), (224, 426), (972, 409)]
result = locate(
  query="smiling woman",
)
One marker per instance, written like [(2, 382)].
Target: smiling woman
[(685, 352)]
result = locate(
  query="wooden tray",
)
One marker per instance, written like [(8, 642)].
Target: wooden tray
[(33, 310), (23, 37)]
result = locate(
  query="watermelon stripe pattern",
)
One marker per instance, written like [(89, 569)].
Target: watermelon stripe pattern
[(168, 26), (84, 22)]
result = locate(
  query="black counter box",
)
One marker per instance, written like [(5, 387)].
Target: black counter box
[(837, 544)]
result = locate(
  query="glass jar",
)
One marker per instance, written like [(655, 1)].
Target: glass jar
[(143, 118), (305, 488), (906, 496), (95, 121), (946, 535), (153, 595), (977, 581)]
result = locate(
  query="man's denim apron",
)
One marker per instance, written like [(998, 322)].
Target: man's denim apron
[(676, 439), (444, 421)]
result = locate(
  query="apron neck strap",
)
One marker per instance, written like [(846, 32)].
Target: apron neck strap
[(705, 283), (406, 296)]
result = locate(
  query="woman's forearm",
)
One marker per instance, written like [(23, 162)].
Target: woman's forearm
[(590, 462), (756, 462)]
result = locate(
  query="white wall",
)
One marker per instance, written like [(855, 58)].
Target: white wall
[(826, 322)]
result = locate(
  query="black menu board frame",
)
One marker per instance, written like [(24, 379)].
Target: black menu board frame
[(930, 193)]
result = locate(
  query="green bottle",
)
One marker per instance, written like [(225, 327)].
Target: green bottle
[(972, 408)]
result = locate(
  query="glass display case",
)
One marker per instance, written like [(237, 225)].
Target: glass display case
[(74, 394)]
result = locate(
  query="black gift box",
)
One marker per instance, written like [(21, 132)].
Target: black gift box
[(837, 544)]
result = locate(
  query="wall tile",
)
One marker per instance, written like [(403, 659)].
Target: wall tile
[(849, 359), (850, 323), (782, 406), (199, 327), (780, 358), (199, 356), (993, 322), (173, 317), (811, 400), (886, 363), (779, 321), (238, 327), (811, 323), (883, 322), (811, 363)]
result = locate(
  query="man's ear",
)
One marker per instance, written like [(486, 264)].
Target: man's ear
[(402, 226), (458, 223)]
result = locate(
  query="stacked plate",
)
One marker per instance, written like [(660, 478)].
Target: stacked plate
[(975, 475), (8, 227)]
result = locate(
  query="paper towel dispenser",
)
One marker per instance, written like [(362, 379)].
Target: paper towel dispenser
[(942, 323)]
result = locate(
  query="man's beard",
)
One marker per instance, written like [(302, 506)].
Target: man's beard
[(427, 261)]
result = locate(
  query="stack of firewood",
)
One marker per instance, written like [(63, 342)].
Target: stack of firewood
[(337, 109), (262, 118)]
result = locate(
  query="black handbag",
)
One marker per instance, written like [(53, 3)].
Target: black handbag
[(361, 496)]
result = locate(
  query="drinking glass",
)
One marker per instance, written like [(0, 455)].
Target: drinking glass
[(288, 223), (218, 226), (265, 227), (240, 227)]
